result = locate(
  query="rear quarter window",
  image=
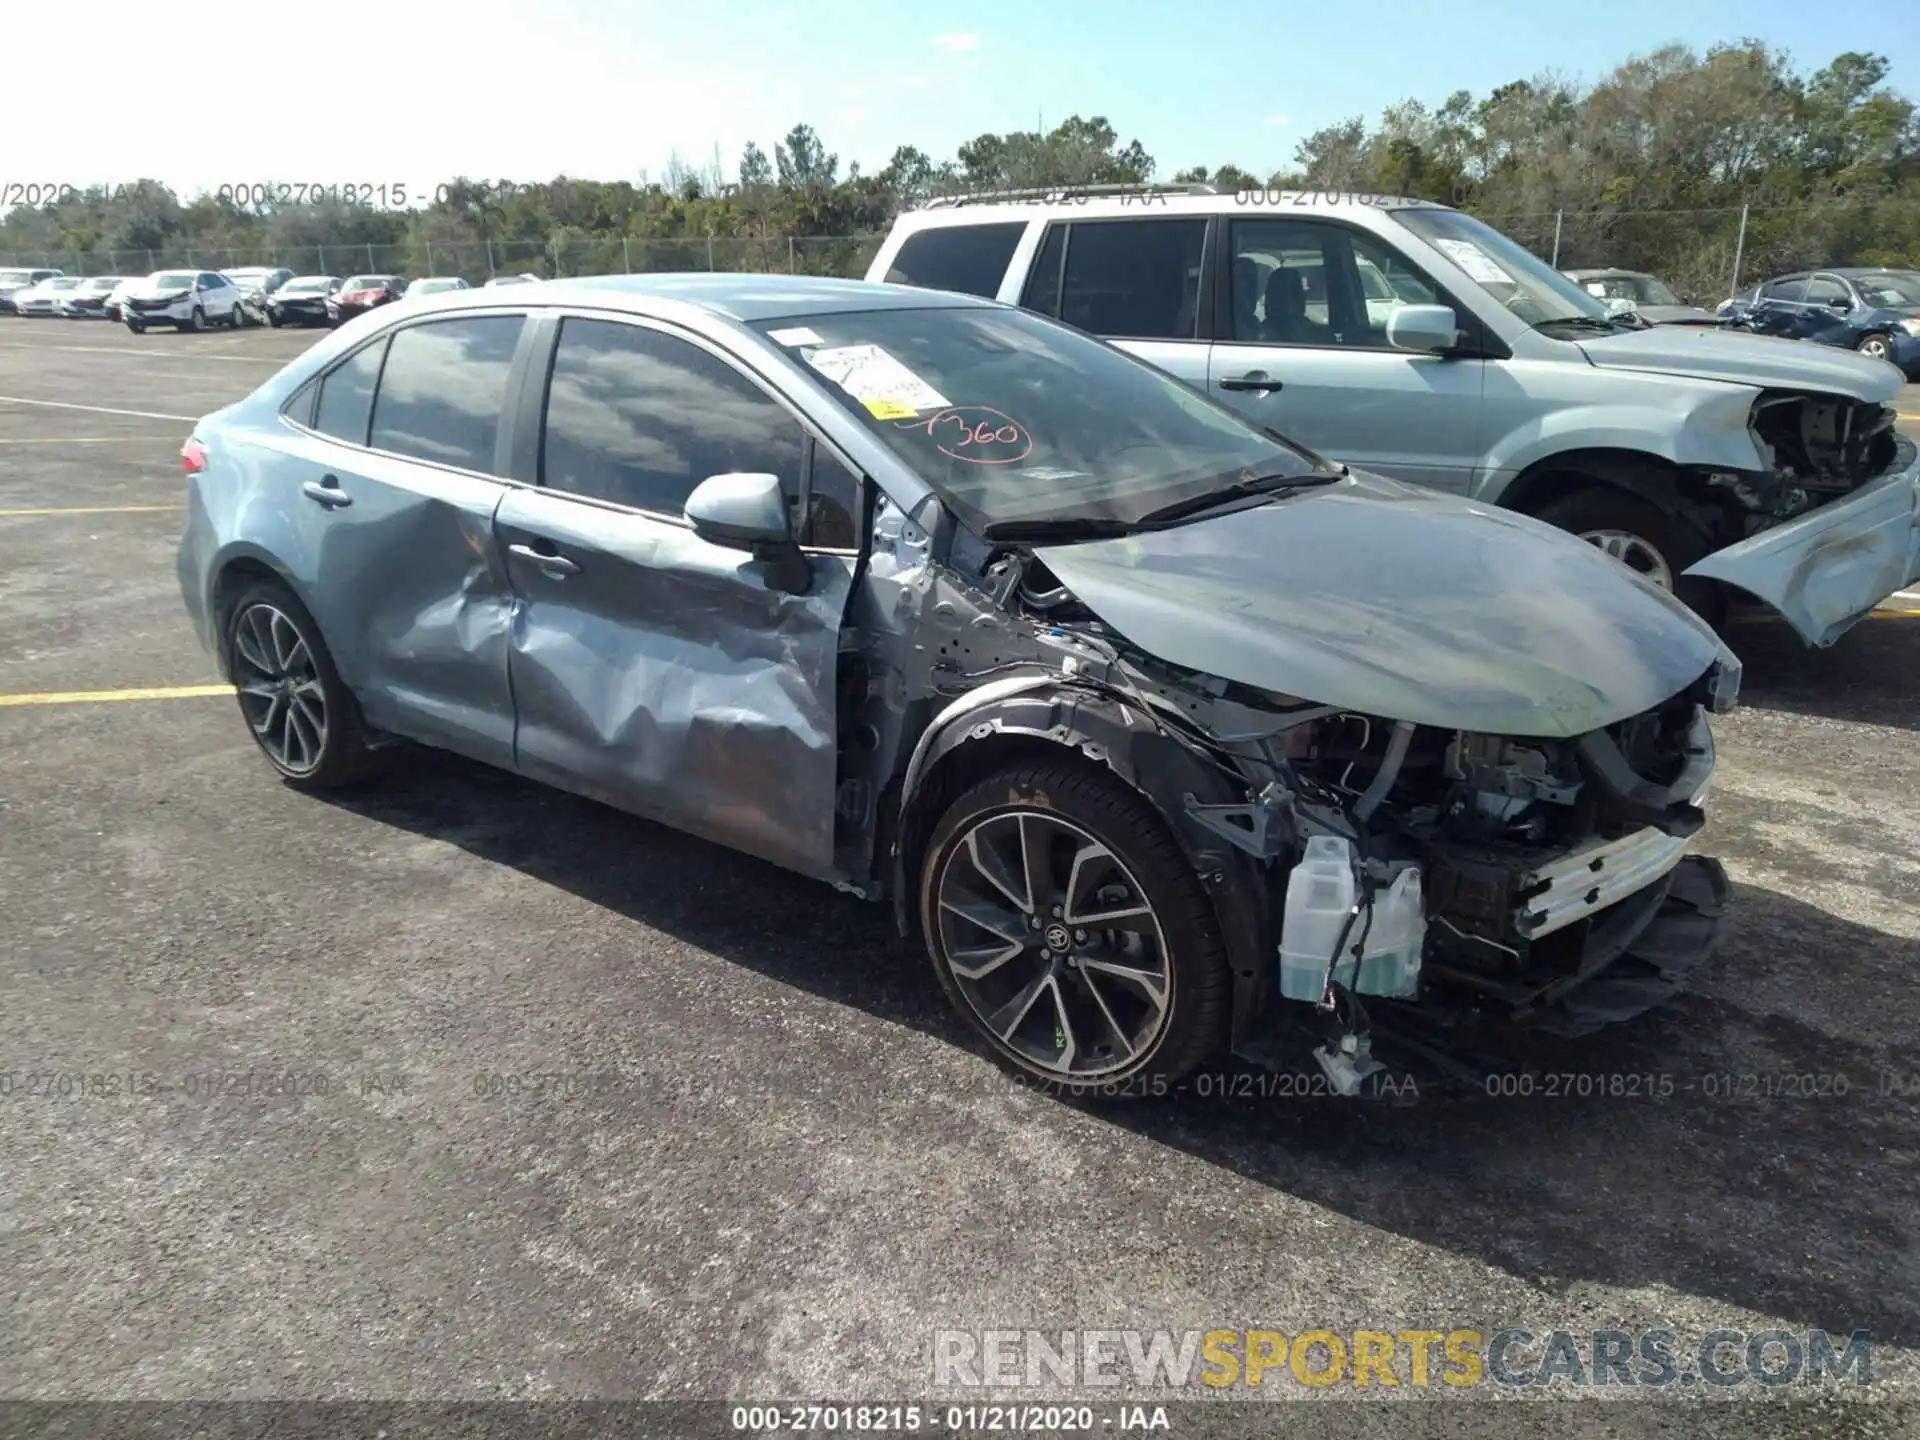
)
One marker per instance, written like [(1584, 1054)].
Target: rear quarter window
[(970, 259)]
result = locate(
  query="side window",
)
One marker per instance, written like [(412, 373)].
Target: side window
[(1792, 288), (969, 258), (443, 389), (1824, 289), (1302, 282), (1133, 279), (639, 418), (833, 503), (346, 395), (1043, 282)]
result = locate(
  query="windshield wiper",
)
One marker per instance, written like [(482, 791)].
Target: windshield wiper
[(1239, 490), (1584, 322), (1059, 527)]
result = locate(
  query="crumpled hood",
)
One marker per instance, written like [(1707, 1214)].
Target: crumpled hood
[(1401, 603), (1712, 353)]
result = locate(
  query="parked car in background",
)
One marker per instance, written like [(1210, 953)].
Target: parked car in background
[(257, 282), (436, 285), (14, 281), (1874, 311), (303, 300), (45, 298), (521, 279), (361, 293), (1704, 460), (1120, 699), (184, 299), (88, 299), (1634, 292), (115, 307)]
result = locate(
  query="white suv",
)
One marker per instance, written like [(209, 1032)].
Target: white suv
[(184, 299), (1413, 340)]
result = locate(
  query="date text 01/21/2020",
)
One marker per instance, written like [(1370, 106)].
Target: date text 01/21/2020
[(967, 1419)]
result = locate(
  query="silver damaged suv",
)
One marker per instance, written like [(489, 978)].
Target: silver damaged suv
[(1418, 342), (1166, 735)]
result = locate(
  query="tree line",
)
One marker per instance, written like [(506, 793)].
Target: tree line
[(1649, 167)]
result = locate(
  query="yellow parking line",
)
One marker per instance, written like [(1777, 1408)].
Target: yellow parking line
[(89, 697), (94, 440), (95, 510)]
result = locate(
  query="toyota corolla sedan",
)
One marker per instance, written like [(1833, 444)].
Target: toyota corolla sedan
[(1168, 737)]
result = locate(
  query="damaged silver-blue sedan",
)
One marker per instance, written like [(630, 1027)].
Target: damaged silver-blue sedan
[(1168, 736)]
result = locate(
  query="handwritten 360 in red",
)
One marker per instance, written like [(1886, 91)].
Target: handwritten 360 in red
[(976, 434)]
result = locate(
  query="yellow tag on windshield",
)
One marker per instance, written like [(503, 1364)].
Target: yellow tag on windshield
[(889, 410)]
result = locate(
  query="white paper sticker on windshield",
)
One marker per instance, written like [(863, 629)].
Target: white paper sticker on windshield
[(877, 380), (800, 335), (1475, 261)]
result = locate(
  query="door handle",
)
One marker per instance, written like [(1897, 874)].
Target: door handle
[(1252, 380), (556, 567), (326, 491)]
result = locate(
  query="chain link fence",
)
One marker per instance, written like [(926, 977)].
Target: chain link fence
[(1707, 255), (1704, 255), (479, 260)]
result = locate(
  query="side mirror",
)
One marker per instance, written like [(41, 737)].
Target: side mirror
[(746, 511), (1840, 302), (1425, 329)]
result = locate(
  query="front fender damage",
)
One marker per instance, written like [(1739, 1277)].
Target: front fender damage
[(1104, 727)]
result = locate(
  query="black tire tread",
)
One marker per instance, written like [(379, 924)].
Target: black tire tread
[(1202, 977), (349, 759)]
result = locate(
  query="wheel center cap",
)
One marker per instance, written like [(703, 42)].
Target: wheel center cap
[(1058, 938)]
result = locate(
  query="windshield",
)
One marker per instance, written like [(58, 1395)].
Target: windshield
[(1509, 272), (59, 283), (104, 284), (427, 287), (1641, 289), (171, 281), (1012, 418), (365, 282), (304, 287), (15, 277), (1891, 287)]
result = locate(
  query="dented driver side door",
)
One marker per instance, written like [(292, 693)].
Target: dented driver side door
[(651, 669)]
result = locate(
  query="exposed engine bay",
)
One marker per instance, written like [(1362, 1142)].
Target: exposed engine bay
[(1468, 872), (1816, 447)]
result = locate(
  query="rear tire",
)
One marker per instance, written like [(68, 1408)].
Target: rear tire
[(304, 719), (1074, 1005), (1648, 540)]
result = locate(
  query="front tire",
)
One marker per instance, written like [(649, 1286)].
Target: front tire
[(196, 322), (300, 714), (136, 327), (1879, 347), (1065, 924), (1645, 538)]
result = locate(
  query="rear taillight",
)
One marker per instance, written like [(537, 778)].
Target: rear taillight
[(193, 457)]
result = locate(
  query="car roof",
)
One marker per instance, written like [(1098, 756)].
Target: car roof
[(1098, 203), (745, 298)]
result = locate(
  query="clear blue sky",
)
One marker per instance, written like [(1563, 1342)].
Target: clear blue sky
[(609, 88)]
